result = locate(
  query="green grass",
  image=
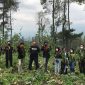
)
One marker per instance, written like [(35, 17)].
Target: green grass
[(12, 77)]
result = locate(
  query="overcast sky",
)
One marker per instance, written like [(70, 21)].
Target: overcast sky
[(25, 17)]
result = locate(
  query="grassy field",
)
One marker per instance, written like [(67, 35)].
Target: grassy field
[(36, 77)]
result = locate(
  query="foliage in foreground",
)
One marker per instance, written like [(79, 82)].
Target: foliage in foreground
[(12, 77)]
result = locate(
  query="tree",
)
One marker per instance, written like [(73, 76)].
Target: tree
[(43, 1), (79, 1), (15, 39), (68, 35), (53, 7), (7, 6), (42, 24), (60, 15)]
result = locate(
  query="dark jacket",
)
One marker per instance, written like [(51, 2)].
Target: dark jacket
[(46, 51), (58, 53), (21, 51), (8, 51), (58, 56), (34, 50)]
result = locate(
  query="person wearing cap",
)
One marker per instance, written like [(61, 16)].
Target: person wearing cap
[(34, 51), (46, 54), (58, 59), (8, 53), (21, 55)]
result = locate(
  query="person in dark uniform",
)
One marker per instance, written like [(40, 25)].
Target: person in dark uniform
[(8, 53), (21, 55), (34, 50), (46, 54), (82, 59)]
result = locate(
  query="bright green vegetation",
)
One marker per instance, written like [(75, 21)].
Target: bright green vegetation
[(12, 77)]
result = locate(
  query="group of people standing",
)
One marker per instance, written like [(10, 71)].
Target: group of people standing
[(34, 51), (63, 59), (9, 55), (67, 59)]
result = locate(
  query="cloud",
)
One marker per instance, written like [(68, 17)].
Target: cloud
[(33, 5), (27, 13), (26, 17), (77, 14), (28, 29), (33, 2), (77, 21), (23, 17)]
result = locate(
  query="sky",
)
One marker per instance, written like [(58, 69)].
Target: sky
[(25, 19)]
